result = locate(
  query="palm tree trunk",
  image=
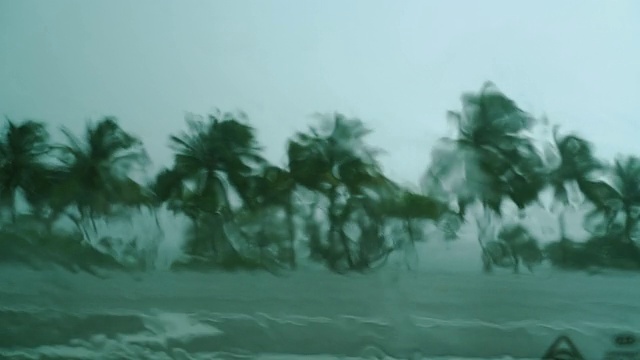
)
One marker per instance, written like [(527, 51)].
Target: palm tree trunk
[(220, 191), (562, 226), (409, 228), (335, 228), (78, 222), (198, 246), (212, 183), (12, 207), (564, 241), (262, 240), (48, 223), (154, 211), (224, 216), (51, 218), (516, 261), (92, 218), (629, 224), (312, 228), (292, 233), (483, 223), (630, 247)]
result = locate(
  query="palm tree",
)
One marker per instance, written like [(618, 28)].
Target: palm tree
[(167, 187), (211, 158), (368, 192), (513, 245), (613, 221), (577, 165), (491, 157), (334, 161), (618, 197), (22, 147), (409, 206), (627, 182), (96, 170), (274, 188), (44, 199), (409, 209)]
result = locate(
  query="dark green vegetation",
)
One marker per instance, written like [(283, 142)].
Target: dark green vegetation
[(332, 202)]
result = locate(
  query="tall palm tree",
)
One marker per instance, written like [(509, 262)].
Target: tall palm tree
[(274, 187), (368, 191), (334, 160), (97, 168), (215, 153), (491, 157), (213, 157), (22, 148), (577, 165)]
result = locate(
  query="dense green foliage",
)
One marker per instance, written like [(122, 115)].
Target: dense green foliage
[(332, 201)]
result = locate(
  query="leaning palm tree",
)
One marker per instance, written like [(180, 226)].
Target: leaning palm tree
[(493, 156), (97, 168), (22, 148), (213, 157)]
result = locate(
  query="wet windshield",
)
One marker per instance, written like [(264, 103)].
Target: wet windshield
[(319, 180)]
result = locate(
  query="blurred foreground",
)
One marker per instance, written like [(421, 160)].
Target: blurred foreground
[(310, 314)]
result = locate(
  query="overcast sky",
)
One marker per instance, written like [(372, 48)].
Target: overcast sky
[(398, 65)]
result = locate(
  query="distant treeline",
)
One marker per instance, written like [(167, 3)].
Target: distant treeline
[(332, 199)]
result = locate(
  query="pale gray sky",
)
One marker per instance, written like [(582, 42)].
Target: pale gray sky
[(398, 65)]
